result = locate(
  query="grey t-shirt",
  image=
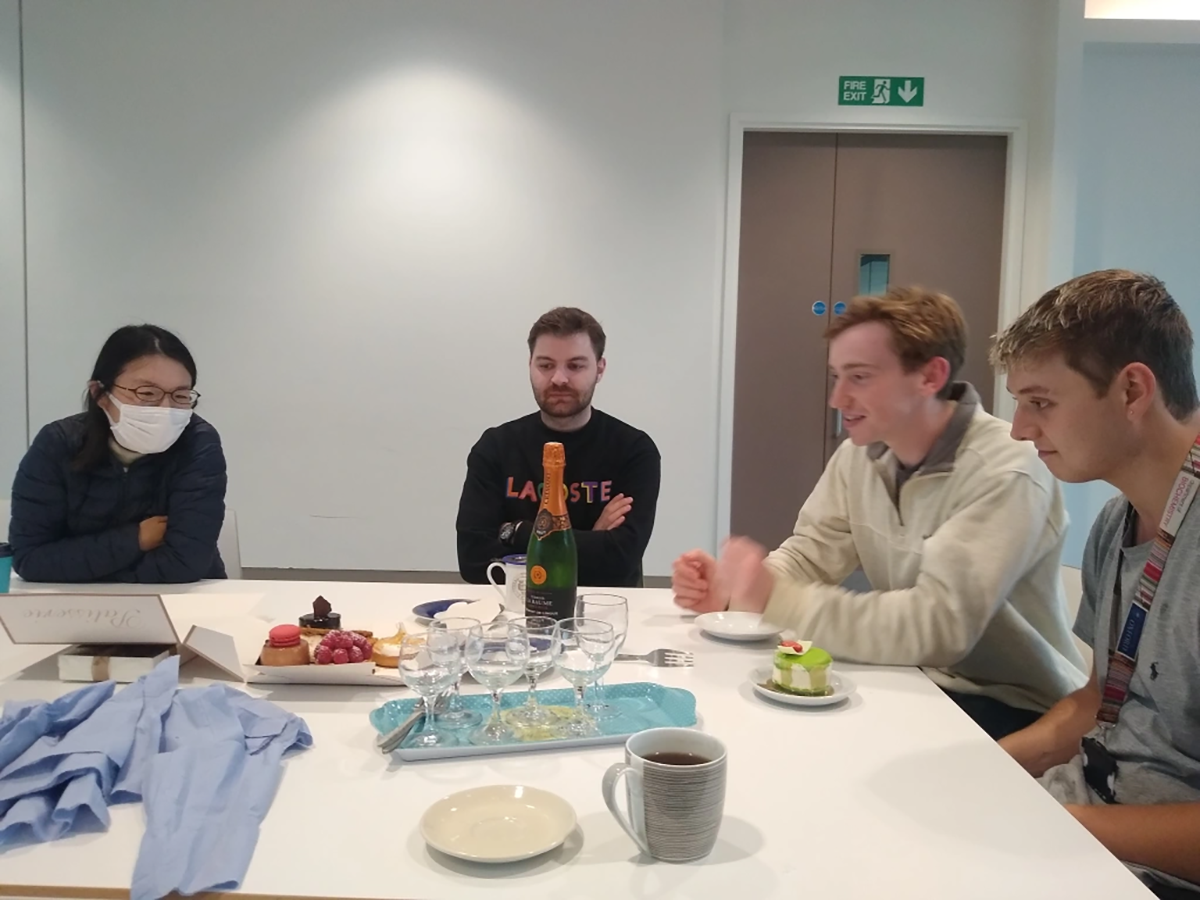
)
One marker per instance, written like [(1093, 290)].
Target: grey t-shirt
[(1156, 740)]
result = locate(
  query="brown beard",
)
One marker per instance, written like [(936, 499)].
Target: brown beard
[(579, 403)]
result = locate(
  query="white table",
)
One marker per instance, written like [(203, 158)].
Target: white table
[(913, 799)]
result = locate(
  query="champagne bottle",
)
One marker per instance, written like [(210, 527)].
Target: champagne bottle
[(552, 562)]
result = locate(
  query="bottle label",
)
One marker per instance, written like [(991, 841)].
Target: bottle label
[(546, 524), (557, 603)]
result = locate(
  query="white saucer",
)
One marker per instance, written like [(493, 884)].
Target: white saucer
[(483, 611), (737, 626), (498, 824), (842, 686)]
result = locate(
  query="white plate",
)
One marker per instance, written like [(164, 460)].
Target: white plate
[(498, 824), (842, 686), (737, 626), (482, 611)]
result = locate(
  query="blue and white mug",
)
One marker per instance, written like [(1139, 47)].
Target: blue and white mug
[(512, 592)]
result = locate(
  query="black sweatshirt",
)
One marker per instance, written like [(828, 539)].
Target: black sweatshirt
[(605, 457)]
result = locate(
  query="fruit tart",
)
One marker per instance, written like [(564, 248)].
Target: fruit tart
[(386, 651), (340, 647)]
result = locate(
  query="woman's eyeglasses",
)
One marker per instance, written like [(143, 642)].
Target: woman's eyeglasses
[(150, 395)]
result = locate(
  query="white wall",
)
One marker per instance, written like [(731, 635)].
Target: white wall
[(1142, 9), (1139, 188), (986, 65), (353, 212), (12, 249), (981, 60)]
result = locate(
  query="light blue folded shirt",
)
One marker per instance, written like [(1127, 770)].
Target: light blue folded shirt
[(205, 762)]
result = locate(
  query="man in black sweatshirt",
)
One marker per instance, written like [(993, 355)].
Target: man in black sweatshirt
[(612, 471)]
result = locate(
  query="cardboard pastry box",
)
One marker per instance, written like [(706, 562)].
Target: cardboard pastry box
[(123, 636)]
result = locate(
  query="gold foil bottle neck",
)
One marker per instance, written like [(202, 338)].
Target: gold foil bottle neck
[(553, 454)]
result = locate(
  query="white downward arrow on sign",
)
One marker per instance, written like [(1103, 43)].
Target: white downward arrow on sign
[(907, 92)]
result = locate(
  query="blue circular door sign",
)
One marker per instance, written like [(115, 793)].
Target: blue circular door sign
[(819, 308), (839, 308)]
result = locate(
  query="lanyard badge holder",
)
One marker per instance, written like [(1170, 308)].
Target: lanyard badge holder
[(1100, 768)]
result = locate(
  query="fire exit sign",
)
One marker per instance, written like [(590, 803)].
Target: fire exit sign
[(875, 90)]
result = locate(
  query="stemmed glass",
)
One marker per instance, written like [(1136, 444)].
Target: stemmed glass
[(583, 651), (429, 665), (496, 656), (456, 715), (540, 633), (613, 609)]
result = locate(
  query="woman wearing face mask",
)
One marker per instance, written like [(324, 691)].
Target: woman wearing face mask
[(132, 489)]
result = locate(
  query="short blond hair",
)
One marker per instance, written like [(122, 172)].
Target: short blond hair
[(1100, 323), (924, 324)]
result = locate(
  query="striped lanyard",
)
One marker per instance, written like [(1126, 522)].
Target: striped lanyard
[(1122, 660)]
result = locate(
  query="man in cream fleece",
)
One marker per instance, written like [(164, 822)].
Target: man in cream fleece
[(958, 527)]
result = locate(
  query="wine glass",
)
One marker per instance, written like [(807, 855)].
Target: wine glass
[(540, 633), (496, 656), (428, 664), (583, 651), (456, 715), (613, 609)]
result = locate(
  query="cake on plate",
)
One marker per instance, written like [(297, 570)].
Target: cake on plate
[(284, 647), (800, 668), (322, 618), (386, 651)]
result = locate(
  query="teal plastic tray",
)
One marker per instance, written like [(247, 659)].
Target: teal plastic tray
[(640, 705)]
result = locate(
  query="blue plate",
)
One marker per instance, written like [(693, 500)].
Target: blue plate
[(428, 610)]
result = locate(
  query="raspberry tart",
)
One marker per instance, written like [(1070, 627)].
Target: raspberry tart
[(340, 647)]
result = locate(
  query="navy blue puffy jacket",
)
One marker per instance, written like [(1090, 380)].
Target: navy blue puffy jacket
[(70, 526)]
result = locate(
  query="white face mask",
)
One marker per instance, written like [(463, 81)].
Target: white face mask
[(148, 429)]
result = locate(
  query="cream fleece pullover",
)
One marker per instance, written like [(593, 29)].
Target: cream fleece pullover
[(963, 559)]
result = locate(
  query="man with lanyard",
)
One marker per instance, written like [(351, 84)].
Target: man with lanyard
[(1102, 371)]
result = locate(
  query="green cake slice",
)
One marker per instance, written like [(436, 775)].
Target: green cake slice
[(800, 668)]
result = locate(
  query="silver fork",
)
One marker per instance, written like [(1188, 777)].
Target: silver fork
[(662, 657), (394, 738)]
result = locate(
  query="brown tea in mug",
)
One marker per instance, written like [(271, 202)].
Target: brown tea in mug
[(676, 758)]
